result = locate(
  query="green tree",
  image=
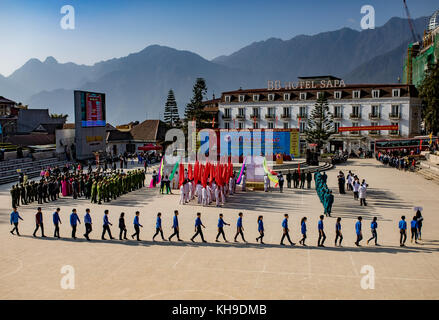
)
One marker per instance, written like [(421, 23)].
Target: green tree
[(195, 109), (320, 124), (171, 116), (429, 93), (58, 116)]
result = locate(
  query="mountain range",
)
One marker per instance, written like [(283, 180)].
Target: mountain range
[(136, 85)]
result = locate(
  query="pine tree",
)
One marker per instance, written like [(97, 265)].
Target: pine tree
[(195, 109), (429, 92), (171, 116), (320, 124)]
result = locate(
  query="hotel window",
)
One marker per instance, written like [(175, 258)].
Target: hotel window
[(271, 112), (337, 112), (227, 99), (375, 93), (256, 97), (270, 125), (302, 112), (375, 111), (356, 111), (255, 112), (303, 96), (355, 124), (337, 95), (241, 98), (356, 94), (255, 125), (287, 97), (286, 125), (394, 132), (302, 126), (227, 113), (240, 125), (374, 124), (241, 112), (396, 93), (395, 110), (227, 125), (286, 112), (320, 95), (336, 126), (270, 97)]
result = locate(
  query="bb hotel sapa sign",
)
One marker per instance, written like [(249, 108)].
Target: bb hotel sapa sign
[(306, 84)]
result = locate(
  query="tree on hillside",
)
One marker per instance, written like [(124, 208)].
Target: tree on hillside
[(171, 116), (320, 124), (429, 93), (195, 108)]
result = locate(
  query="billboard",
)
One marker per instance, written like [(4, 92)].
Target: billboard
[(92, 109)]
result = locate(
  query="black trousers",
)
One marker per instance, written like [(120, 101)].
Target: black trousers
[(176, 233), (261, 236), (88, 230), (302, 241), (302, 184), (355, 195), (403, 237), (15, 228), (56, 233), (106, 229), (322, 238), (414, 233), (239, 232), (157, 231), (122, 233), (309, 184), (199, 232), (221, 232), (359, 238), (36, 229), (74, 231), (287, 235), (137, 233), (374, 236), (338, 236), (363, 202)]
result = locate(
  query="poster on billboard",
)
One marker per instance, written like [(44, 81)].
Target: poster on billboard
[(92, 109)]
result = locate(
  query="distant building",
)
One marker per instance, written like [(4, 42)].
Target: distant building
[(212, 107), (8, 116), (36, 119), (352, 105)]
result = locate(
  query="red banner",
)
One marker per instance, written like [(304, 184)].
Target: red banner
[(368, 128)]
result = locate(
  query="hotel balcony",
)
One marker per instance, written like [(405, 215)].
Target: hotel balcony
[(285, 116), (355, 116), (257, 116), (375, 116), (225, 117), (240, 117), (270, 116), (338, 116), (355, 133), (395, 134), (302, 116), (374, 133), (394, 116)]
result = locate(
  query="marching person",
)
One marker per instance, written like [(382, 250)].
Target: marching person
[(106, 226), (286, 231), (176, 227), (56, 222), (158, 227), (88, 223), (15, 216), (260, 229), (74, 219), (137, 226), (356, 187), (403, 231), (122, 227), (198, 230), (281, 182), (362, 191), (239, 228), (358, 232), (303, 231), (420, 219), (373, 229), (414, 229), (39, 223), (309, 179), (221, 224), (322, 235), (338, 234)]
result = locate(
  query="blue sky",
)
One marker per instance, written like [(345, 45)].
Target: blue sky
[(113, 28)]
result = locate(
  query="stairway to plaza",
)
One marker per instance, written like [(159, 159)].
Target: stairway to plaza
[(9, 170)]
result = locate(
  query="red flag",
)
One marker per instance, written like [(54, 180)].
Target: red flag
[(420, 144), (189, 172), (230, 170), (197, 172), (218, 175), (181, 174), (213, 122), (212, 173)]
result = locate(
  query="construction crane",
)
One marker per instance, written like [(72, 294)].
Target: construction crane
[(412, 27)]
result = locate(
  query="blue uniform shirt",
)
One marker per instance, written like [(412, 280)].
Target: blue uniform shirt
[(337, 226), (260, 225), (320, 225), (220, 223), (403, 225), (175, 222), (358, 227), (136, 221), (198, 222), (74, 219), (87, 218), (414, 224), (158, 224), (239, 222), (15, 216), (56, 218), (303, 228), (285, 223), (373, 225), (106, 222)]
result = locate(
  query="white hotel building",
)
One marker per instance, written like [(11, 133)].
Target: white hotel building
[(352, 105)]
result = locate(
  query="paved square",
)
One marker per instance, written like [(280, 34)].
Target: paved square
[(31, 268)]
